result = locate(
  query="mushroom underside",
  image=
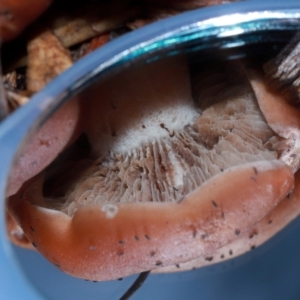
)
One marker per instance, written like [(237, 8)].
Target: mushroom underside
[(211, 138), (153, 143)]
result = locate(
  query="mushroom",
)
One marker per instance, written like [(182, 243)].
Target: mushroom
[(16, 15), (278, 218), (41, 149), (158, 178)]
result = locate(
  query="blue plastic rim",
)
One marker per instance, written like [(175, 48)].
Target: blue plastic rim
[(203, 24)]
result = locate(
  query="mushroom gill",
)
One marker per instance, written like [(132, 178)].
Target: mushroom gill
[(151, 142)]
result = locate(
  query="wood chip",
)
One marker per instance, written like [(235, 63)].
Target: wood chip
[(74, 30), (188, 4), (47, 58)]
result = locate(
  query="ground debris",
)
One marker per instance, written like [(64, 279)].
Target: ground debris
[(47, 58)]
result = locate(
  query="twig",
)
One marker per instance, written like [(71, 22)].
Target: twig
[(136, 285)]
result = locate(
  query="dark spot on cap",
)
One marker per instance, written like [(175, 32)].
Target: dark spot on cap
[(223, 215), (252, 234), (121, 242), (221, 169), (210, 258), (158, 263), (162, 125), (44, 143), (252, 247), (214, 203), (34, 244), (120, 279), (177, 266), (57, 264), (253, 179), (230, 252), (222, 256), (147, 237), (120, 253), (204, 236), (31, 228), (270, 221), (152, 253), (143, 126), (237, 232), (136, 238)]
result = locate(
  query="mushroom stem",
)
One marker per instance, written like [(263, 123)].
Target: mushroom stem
[(103, 242), (140, 104)]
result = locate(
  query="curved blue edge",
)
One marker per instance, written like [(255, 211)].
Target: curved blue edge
[(13, 283)]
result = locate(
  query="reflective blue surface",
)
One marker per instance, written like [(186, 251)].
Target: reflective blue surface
[(270, 272)]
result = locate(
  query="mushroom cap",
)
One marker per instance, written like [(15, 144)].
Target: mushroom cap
[(103, 242), (45, 145), (15, 15), (275, 109), (285, 212)]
